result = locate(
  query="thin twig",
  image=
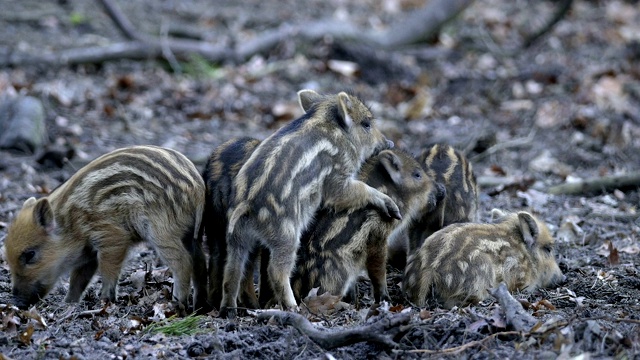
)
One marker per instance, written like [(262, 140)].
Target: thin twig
[(121, 21), (457, 349), (563, 9), (505, 145), (166, 50)]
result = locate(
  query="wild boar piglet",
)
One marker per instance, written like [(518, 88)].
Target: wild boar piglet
[(338, 246), (88, 224), (457, 201), (307, 164), (458, 264)]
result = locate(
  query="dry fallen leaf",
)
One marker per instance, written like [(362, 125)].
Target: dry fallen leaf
[(614, 258), (137, 279), (25, 336), (10, 322), (425, 314), (159, 311), (544, 303), (325, 304), (569, 231), (498, 170), (608, 93), (631, 249), (35, 315), (419, 107)]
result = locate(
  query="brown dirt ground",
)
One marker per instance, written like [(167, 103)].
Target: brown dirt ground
[(576, 94)]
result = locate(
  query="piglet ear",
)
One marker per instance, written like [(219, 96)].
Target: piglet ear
[(308, 98), (43, 215), (29, 202), (391, 163), (528, 228), (496, 214), (345, 106)]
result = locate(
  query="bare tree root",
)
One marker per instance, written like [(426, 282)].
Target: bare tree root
[(416, 27), (598, 185), (381, 332), (514, 312)]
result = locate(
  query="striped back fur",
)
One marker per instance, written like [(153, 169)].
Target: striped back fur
[(220, 171), (338, 246), (140, 193), (459, 263), (453, 172), (310, 162)]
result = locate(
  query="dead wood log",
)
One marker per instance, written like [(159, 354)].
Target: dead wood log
[(515, 314), (414, 28), (421, 24), (382, 331), (598, 185)]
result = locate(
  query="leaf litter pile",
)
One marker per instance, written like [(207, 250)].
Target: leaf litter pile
[(532, 121)]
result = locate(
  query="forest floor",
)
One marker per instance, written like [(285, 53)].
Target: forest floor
[(565, 109)]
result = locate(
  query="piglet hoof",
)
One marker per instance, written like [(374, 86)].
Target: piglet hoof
[(229, 313), (202, 307), (385, 297), (392, 210), (105, 301), (181, 310)]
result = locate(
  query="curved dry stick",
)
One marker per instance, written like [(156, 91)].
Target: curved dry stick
[(381, 332), (514, 312), (461, 348)]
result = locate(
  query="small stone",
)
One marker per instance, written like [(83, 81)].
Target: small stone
[(22, 124)]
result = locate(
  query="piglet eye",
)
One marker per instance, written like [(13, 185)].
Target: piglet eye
[(417, 175), (29, 257), (366, 124), (547, 248)]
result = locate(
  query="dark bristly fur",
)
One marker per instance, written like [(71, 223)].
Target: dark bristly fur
[(220, 171), (338, 246), (459, 263), (140, 193), (309, 163)]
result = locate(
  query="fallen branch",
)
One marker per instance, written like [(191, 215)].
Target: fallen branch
[(617, 217), (381, 332), (70, 313), (458, 349), (124, 50), (598, 185), (416, 27), (515, 314)]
